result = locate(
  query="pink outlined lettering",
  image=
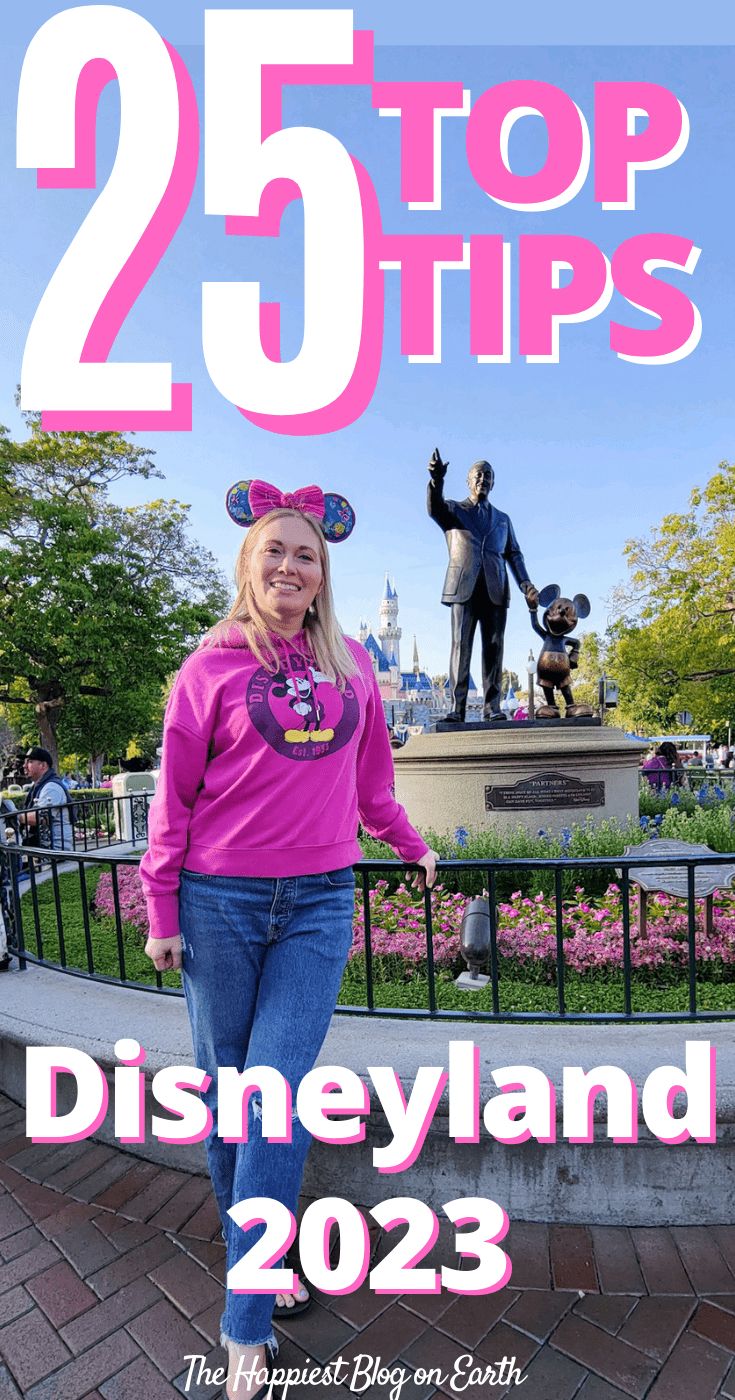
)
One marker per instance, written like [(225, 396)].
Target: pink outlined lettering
[(144, 258), (545, 304), (200, 1083), (54, 1072), (620, 150), (490, 299), (421, 258), (278, 1253), (488, 131), (421, 107), (355, 398), (680, 324)]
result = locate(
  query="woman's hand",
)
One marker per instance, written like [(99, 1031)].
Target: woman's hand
[(426, 874), (164, 953)]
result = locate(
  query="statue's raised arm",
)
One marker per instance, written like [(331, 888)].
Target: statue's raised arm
[(437, 468)]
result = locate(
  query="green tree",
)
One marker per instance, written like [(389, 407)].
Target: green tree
[(98, 603), (593, 663), (672, 642), (9, 743)]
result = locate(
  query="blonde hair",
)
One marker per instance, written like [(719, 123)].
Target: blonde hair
[(326, 640)]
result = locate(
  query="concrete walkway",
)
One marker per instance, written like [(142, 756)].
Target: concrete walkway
[(111, 1272)]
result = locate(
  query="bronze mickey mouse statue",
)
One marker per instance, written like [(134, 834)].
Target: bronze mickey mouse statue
[(559, 654)]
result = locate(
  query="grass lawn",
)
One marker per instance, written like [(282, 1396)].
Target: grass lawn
[(584, 993), (102, 936), (590, 993)]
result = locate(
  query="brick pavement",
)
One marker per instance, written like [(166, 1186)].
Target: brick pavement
[(111, 1271)]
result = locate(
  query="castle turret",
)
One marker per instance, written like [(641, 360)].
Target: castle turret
[(389, 633)]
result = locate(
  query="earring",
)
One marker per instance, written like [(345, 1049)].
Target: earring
[(311, 610)]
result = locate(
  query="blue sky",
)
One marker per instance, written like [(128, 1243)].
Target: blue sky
[(587, 452)]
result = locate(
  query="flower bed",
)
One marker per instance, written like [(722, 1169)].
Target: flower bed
[(593, 932)]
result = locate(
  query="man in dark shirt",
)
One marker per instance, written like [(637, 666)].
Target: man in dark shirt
[(52, 827), (481, 542)]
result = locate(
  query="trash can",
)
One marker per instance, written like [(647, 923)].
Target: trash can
[(132, 793)]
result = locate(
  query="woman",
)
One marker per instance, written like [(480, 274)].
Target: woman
[(658, 768), (274, 744)]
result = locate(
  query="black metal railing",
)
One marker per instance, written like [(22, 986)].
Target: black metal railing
[(59, 928), (81, 824)]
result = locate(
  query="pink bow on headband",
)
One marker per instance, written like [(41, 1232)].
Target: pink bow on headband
[(263, 498)]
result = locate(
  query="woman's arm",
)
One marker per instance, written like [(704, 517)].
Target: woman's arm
[(182, 769), (187, 733)]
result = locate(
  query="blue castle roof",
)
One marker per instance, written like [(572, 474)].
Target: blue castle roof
[(375, 650), (411, 681), (470, 686)]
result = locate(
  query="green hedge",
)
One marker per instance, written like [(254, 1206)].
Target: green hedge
[(77, 795), (713, 825)]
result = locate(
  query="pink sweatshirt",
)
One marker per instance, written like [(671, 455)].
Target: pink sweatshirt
[(268, 774)]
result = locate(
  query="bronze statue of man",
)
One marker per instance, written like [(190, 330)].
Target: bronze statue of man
[(481, 541)]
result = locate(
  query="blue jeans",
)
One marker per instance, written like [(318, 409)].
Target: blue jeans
[(262, 965)]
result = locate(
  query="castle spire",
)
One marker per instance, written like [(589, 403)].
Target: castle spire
[(389, 633)]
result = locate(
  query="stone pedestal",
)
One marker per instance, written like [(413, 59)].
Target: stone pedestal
[(504, 776)]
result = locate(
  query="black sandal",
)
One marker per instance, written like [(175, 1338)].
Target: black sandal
[(293, 1261), (282, 1310)]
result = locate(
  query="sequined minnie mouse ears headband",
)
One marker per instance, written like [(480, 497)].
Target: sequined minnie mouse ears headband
[(247, 501)]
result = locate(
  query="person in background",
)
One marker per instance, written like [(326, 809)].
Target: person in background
[(659, 767), (51, 828), (671, 755)]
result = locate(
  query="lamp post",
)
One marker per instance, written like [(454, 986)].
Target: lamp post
[(607, 695), (531, 672)]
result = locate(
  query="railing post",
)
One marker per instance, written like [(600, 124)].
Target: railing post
[(430, 951), (17, 911), (85, 917), (369, 995), (118, 922), (559, 923), (692, 938), (493, 911), (627, 961), (36, 911)]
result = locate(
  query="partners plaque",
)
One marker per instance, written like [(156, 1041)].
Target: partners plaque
[(543, 790)]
